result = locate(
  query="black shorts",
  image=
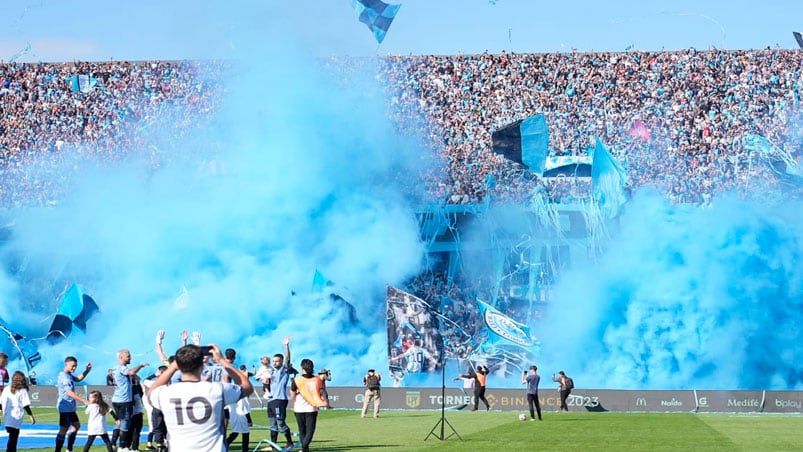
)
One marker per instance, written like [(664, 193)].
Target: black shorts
[(68, 419)]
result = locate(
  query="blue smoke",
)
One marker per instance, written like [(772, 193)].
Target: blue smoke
[(686, 297), (296, 172)]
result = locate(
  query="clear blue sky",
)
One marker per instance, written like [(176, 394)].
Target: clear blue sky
[(150, 29)]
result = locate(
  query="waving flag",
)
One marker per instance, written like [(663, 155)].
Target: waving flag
[(82, 83), (339, 295), (320, 282), (377, 15), (412, 322), (525, 142), (75, 308), (503, 328), (781, 162), (22, 52), (798, 38), (25, 347), (608, 180), (182, 300), (640, 130)]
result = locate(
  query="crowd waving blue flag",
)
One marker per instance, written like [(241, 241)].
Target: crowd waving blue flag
[(377, 15)]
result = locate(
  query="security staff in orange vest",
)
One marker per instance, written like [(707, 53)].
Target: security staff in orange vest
[(480, 376), (306, 390)]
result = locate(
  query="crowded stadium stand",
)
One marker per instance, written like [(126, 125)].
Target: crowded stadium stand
[(679, 121), (676, 120), (692, 124)]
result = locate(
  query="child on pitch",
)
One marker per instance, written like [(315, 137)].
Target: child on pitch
[(238, 421), (97, 409), (15, 403), (240, 417)]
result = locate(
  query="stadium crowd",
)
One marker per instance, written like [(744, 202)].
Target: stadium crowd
[(45, 109), (675, 119)]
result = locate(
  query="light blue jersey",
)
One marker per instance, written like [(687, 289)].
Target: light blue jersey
[(278, 383), (122, 385), (64, 383)]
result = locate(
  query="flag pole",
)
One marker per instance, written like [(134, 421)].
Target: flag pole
[(17, 346)]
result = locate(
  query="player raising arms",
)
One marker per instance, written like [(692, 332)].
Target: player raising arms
[(193, 408)]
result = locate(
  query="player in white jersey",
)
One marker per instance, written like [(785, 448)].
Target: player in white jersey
[(193, 408), (417, 358)]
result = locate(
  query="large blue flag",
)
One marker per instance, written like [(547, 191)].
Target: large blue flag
[(525, 142), (75, 308), (502, 328), (377, 15)]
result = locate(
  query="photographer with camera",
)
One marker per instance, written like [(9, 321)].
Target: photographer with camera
[(193, 408), (532, 379), (372, 392), (566, 386), (325, 375)]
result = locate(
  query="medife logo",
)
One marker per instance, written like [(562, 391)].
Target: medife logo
[(744, 403)]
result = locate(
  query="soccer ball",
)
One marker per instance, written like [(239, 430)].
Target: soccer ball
[(522, 417)]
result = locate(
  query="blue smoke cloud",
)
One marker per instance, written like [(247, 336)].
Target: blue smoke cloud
[(295, 173), (686, 298)]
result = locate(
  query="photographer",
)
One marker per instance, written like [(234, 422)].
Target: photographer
[(566, 386), (192, 408), (372, 392), (532, 380), (325, 375)]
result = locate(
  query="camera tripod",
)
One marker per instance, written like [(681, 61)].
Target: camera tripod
[(443, 422)]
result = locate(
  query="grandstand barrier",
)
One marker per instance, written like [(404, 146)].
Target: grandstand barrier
[(708, 401)]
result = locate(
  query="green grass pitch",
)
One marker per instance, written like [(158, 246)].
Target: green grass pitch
[(396, 431)]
